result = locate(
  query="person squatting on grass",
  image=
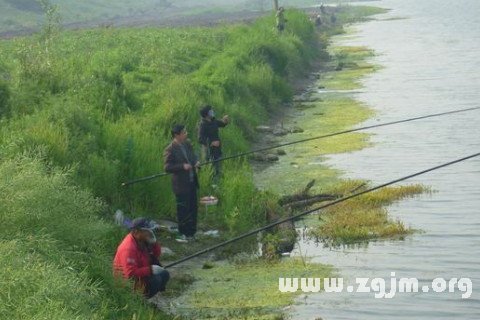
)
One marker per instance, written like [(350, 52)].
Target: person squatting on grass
[(209, 137), (137, 258), (181, 161)]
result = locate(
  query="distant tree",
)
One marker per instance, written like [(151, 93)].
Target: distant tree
[(36, 58), (52, 23)]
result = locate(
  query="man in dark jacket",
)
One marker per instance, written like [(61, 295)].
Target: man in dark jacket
[(137, 258), (181, 161), (209, 137)]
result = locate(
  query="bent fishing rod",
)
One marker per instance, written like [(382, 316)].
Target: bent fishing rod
[(330, 204), (306, 140)]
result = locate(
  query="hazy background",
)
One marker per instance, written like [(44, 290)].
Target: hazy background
[(17, 15)]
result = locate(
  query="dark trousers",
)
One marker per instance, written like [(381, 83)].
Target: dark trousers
[(156, 283), (187, 207), (215, 153)]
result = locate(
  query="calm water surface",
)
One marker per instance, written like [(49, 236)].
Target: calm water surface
[(431, 63)]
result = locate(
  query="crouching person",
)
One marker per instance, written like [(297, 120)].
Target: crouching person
[(137, 258)]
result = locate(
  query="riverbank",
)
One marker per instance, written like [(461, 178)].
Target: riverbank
[(83, 111), (82, 118), (246, 287), (327, 106)]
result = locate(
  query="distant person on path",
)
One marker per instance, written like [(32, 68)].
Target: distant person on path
[(209, 137), (181, 161), (281, 19), (137, 258)]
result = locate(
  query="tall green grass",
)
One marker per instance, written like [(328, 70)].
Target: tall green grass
[(102, 102), (83, 111), (55, 252)]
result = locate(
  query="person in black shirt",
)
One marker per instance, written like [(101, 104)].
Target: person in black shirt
[(209, 137)]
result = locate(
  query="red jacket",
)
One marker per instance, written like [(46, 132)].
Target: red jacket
[(133, 262)]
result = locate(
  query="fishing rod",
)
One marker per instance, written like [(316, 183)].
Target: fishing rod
[(306, 140), (268, 226)]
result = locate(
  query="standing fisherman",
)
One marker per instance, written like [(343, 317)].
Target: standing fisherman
[(181, 161), (209, 137), (281, 19)]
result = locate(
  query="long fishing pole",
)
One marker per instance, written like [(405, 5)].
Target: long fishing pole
[(306, 140), (268, 226)]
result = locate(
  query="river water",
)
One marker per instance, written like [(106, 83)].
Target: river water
[(431, 63)]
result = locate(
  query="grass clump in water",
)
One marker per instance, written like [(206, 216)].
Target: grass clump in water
[(350, 68), (364, 217)]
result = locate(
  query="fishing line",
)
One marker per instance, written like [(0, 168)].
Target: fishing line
[(306, 140), (268, 226)]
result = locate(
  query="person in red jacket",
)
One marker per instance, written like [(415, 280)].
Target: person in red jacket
[(137, 258)]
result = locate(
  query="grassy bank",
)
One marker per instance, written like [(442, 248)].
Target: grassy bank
[(243, 289), (55, 252), (102, 102), (83, 111)]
